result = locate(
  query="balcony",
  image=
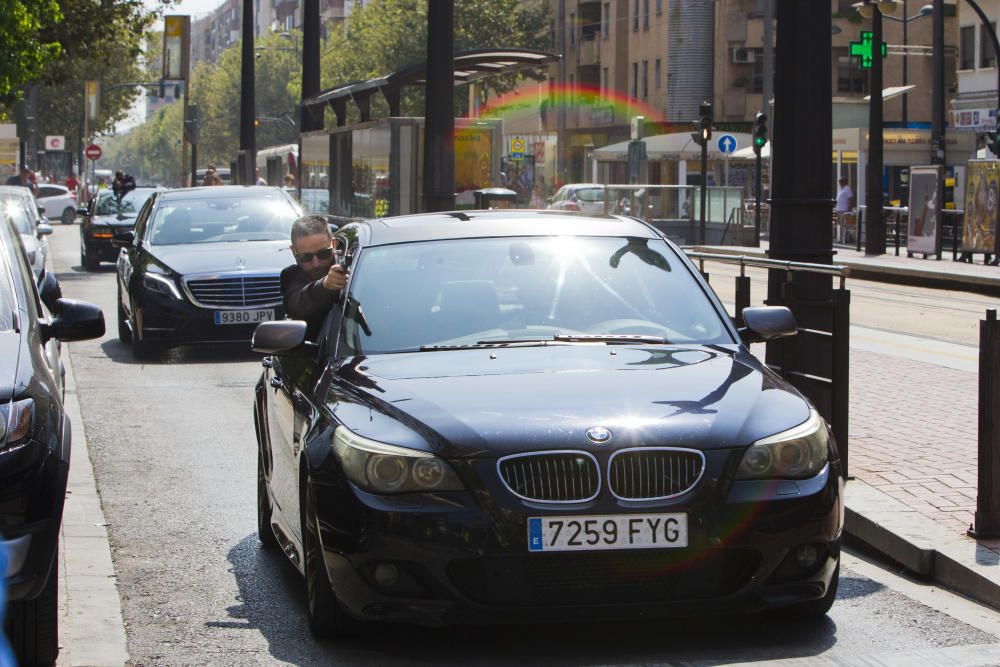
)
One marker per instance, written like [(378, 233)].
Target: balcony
[(589, 51)]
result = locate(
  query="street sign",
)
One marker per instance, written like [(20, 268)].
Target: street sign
[(93, 152), (517, 148), (726, 143), (55, 143)]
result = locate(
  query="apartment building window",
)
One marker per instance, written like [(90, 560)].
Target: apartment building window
[(967, 47), (606, 20), (635, 80), (635, 15), (645, 14), (659, 7), (604, 82), (988, 55), (571, 28), (657, 72), (645, 79), (850, 79)]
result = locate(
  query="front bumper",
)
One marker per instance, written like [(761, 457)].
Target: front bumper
[(463, 558), (169, 322)]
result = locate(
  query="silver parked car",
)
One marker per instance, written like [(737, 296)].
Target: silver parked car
[(20, 205), (580, 197)]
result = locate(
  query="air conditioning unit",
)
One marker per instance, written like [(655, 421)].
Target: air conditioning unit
[(743, 55)]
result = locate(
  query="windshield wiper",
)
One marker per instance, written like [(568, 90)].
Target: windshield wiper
[(580, 338), (486, 344)]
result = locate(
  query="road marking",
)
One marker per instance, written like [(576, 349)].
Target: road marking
[(916, 348)]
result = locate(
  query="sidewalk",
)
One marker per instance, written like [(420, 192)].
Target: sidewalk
[(914, 439)]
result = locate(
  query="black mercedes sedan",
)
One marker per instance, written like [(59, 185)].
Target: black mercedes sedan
[(202, 266), (520, 415), (105, 217), (35, 440)]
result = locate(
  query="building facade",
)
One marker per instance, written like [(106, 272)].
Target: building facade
[(974, 108)]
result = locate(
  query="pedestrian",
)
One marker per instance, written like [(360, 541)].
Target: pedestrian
[(289, 180), (73, 184), (25, 179), (845, 204), (260, 179), (211, 178), (311, 286), (122, 185)]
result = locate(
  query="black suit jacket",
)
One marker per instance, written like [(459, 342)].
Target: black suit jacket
[(306, 299)]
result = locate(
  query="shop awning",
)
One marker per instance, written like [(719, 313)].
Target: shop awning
[(674, 146)]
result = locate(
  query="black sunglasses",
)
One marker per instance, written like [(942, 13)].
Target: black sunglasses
[(322, 255)]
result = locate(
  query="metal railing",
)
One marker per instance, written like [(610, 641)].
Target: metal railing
[(816, 361)]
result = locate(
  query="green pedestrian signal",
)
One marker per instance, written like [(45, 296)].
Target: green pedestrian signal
[(863, 49)]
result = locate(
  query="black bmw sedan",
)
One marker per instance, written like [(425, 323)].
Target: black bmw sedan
[(203, 266), (524, 415), (105, 217), (35, 441)]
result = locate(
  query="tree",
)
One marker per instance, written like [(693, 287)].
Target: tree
[(26, 49)]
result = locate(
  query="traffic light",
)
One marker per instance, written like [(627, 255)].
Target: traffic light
[(705, 121), (759, 132)]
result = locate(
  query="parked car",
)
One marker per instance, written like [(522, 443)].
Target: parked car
[(102, 219), (59, 202), (35, 440), (20, 206), (202, 266), (537, 416), (580, 197)]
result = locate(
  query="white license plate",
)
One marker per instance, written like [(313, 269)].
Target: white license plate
[(593, 533), (243, 316)]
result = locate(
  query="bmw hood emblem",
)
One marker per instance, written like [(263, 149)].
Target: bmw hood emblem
[(598, 435)]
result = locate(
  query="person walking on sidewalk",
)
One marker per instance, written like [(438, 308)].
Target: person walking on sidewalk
[(845, 201)]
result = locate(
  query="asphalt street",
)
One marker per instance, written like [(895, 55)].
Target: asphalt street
[(173, 451)]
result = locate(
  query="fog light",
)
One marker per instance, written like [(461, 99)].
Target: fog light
[(386, 575), (806, 556)]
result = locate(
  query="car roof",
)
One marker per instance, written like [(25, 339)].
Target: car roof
[(219, 192), (15, 190), (501, 223)]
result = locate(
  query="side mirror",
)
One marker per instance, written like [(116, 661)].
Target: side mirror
[(123, 238), (41, 210), (49, 290), (766, 323), (74, 320), (43, 229), (281, 337)]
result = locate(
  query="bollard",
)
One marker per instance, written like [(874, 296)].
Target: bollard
[(987, 520)]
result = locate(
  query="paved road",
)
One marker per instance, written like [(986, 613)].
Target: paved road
[(173, 453)]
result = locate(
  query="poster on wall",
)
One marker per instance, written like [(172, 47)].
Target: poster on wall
[(924, 228), (982, 182)]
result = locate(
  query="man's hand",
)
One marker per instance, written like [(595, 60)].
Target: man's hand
[(336, 278)]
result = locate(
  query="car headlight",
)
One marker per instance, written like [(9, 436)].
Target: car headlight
[(797, 453), (381, 468), (160, 283), (15, 423)]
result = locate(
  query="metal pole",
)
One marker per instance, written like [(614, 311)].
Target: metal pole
[(768, 65), (937, 97), (756, 208), (248, 143), (987, 517), (993, 36), (310, 64), (704, 190), (906, 59), (561, 94), (874, 222), (184, 141), (439, 134)]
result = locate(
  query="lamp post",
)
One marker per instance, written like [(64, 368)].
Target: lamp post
[(874, 223), (926, 10)]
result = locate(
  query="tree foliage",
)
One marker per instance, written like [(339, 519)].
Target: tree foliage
[(27, 50)]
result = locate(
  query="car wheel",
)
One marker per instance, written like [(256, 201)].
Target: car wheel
[(32, 626), (86, 261), (68, 215), (327, 619), (265, 533), (124, 333), (141, 348)]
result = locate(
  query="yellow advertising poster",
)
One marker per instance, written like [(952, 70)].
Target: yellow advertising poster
[(979, 233), (473, 159)]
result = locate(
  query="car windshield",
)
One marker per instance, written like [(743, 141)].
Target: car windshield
[(131, 203), (461, 292), (22, 221), (223, 219), (590, 194)]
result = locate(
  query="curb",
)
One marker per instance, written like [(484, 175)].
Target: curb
[(91, 629), (921, 545)]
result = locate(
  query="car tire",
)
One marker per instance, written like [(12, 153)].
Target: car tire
[(327, 619), (68, 215), (124, 333), (87, 262), (143, 349), (265, 533), (32, 626)]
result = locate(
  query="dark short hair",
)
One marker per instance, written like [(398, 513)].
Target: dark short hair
[(309, 225)]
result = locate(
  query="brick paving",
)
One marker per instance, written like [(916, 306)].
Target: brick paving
[(914, 434)]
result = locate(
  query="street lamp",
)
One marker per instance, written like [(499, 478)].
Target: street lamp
[(926, 10), (874, 223)]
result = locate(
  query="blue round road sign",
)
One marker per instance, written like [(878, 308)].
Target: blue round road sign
[(726, 143)]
